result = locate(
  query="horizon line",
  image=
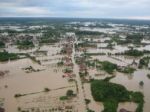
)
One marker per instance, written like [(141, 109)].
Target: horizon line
[(115, 18)]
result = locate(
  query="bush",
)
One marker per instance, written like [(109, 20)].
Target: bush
[(46, 89), (63, 98), (87, 101), (61, 63), (148, 75), (141, 83), (17, 95)]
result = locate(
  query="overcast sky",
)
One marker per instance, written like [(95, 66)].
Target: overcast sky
[(132, 9)]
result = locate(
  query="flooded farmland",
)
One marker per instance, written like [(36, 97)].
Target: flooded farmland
[(82, 69)]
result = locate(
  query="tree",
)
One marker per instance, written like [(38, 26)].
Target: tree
[(46, 89), (2, 44), (69, 93), (141, 83)]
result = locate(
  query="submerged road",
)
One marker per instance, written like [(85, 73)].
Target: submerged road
[(81, 99)]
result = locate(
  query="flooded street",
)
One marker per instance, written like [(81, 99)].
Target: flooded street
[(81, 97)]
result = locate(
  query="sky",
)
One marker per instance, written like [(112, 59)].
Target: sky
[(128, 9)]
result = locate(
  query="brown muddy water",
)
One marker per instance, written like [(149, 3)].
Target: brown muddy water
[(20, 82)]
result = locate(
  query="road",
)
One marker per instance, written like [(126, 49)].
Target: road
[(81, 99)]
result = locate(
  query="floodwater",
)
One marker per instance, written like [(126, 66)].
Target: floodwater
[(96, 106), (130, 106), (17, 81), (105, 30), (81, 92), (20, 82), (132, 83)]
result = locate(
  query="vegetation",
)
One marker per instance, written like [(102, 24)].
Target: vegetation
[(17, 95), (127, 70), (141, 83), (111, 94), (94, 54), (148, 75), (67, 70), (90, 63), (107, 66), (46, 89), (50, 33), (109, 46), (2, 44), (134, 38), (5, 56), (88, 33), (85, 44), (21, 95), (144, 62), (87, 101), (61, 63), (69, 93), (63, 98), (26, 44), (82, 74), (49, 36), (134, 52)]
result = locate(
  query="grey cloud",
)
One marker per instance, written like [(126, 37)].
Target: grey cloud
[(76, 8)]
